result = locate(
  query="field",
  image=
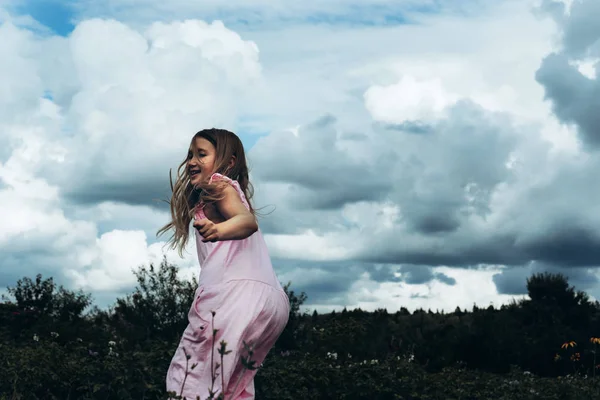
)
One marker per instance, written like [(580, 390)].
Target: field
[(56, 345)]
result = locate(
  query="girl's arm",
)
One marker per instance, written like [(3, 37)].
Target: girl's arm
[(239, 222)]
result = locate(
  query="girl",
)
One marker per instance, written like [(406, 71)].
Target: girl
[(236, 280)]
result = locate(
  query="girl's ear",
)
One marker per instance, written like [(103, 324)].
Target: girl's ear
[(231, 162)]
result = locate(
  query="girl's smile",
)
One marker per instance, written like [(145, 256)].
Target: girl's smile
[(201, 159)]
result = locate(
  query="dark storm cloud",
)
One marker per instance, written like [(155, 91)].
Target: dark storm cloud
[(330, 291), (323, 176), (329, 282), (451, 177), (134, 178), (438, 179), (575, 98), (448, 280), (580, 28), (443, 177), (321, 281), (567, 244), (384, 273), (18, 263), (433, 223), (513, 280), (448, 250), (133, 192), (416, 274), (420, 274)]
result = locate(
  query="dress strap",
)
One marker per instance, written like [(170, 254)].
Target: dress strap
[(236, 185)]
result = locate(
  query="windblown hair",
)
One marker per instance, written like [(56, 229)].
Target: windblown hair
[(186, 198)]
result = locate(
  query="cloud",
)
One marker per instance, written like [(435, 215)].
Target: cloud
[(104, 269), (408, 100), (407, 163), (418, 274), (513, 281), (573, 92), (323, 175), (140, 98), (472, 287), (38, 236)]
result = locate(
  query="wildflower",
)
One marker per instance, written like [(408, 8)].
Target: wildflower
[(285, 353), (566, 345), (36, 337), (576, 357), (526, 373), (332, 355), (80, 340), (557, 357), (111, 343), (54, 334), (373, 362), (595, 340), (349, 355), (92, 353)]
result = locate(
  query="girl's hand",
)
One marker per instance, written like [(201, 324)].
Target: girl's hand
[(208, 229)]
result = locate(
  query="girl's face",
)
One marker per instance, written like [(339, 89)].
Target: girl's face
[(201, 161)]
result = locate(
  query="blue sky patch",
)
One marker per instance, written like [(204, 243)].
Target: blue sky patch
[(54, 14), (59, 15)]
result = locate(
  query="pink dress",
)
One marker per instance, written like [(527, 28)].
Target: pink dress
[(238, 283)]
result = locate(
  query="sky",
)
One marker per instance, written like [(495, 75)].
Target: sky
[(418, 154)]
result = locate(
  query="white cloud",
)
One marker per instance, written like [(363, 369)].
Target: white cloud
[(408, 100), (109, 265), (150, 91), (472, 287)]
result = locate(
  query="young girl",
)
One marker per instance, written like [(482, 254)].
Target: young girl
[(236, 280)]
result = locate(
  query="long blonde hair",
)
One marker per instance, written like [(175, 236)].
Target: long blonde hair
[(185, 197)]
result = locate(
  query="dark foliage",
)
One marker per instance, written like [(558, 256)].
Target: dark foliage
[(55, 345)]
